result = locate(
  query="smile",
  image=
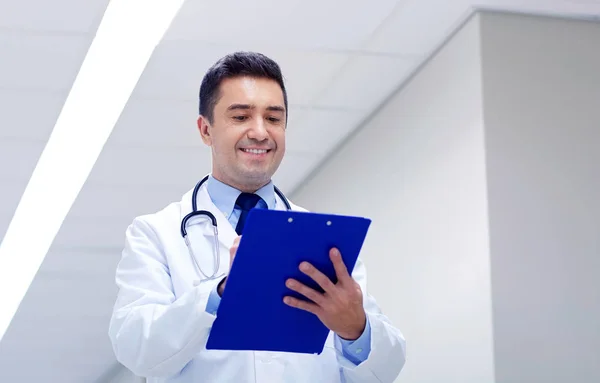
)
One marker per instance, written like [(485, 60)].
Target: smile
[(255, 151)]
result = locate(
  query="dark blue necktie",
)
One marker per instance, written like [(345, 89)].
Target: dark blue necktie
[(245, 202)]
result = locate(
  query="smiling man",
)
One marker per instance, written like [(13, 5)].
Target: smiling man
[(168, 293)]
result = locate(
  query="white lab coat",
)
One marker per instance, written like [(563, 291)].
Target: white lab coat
[(159, 326)]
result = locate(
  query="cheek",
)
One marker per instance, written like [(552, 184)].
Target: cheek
[(279, 138), (226, 142)]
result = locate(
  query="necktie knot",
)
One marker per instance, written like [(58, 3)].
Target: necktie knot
[(246, 202)]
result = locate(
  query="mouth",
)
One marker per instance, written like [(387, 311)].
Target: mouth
[(256, 152)]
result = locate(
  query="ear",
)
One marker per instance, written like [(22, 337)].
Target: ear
[(204, 129)]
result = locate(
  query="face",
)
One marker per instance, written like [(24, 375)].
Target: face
[(247, 135)]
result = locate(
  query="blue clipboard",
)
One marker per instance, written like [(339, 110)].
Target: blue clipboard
[(252, 315)]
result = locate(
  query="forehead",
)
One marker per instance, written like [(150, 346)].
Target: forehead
[(250, 90)]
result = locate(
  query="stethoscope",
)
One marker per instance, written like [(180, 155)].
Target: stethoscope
[(195, 212)]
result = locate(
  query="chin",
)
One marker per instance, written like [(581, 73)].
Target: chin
[(253, 175)]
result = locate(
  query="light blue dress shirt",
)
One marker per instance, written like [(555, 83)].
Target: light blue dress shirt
[(224, 197)]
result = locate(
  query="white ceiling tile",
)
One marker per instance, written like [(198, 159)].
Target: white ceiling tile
[(231, 20), (157, 175), (106, 201), (366, 82), (149, 166), (18, 158), (61, 321), (292, 23), (82, 262), (92, 232), (319, 131), (176, 69), (553, 7), (57, 15), (10, 195), (417, 26), (41, 62), (307, 74), (29, 115), (158, 123), (293, 169)]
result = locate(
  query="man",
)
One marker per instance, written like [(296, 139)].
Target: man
[(165, 308)]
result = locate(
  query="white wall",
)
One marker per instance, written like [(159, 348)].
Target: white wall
[(497, 137), (417, 169), (542, 119)]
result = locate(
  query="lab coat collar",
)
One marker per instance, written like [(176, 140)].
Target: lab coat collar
[(226, 232), (225, 196)]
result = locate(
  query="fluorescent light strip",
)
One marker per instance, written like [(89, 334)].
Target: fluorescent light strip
[(125, 40)]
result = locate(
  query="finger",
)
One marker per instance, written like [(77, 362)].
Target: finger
[(233, 249), (302, 305), (317, 276), (338, 264), (236, 241), (309, 293)]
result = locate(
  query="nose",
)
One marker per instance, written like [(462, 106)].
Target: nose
[(258, 130)]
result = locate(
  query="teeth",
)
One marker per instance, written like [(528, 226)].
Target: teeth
[(255, 151)]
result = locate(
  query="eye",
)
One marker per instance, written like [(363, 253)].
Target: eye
[(274, 119), (239, 118)]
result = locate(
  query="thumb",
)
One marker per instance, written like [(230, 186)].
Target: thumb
[(234, 247)]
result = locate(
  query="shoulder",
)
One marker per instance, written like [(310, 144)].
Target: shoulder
[(167, 216)]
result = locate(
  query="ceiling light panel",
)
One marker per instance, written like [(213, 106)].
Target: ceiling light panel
[(111, 69)]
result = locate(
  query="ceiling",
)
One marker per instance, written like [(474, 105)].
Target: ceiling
[(340, 64)]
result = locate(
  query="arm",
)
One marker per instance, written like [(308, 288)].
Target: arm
[(386, 344), (152, 333)]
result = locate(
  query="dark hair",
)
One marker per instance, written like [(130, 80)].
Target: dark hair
[(233, 65)]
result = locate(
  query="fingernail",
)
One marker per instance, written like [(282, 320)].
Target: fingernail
[(304, 266)]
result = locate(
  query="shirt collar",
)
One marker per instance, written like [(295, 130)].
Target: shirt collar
[(224, 196)]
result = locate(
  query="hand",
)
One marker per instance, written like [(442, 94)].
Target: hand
[(232, 251), (340, 308)]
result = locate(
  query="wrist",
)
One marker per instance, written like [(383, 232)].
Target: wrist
[(221, 287), (357, 332)]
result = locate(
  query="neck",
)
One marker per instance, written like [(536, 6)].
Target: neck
[(245, 188)]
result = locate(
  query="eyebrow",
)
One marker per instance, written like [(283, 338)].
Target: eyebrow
[(272, 108)]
